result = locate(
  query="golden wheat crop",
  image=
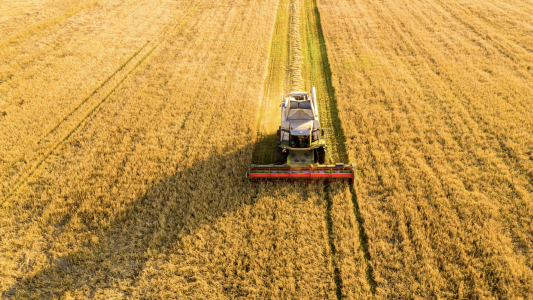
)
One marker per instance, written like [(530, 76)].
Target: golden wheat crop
[(274, 247), (435, 101), (141, 192), (20, 18), (126, 128), (349, 254), (53, 76)]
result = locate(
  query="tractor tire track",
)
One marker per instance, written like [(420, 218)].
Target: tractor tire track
[(108, 87), (127, 65), (331, 241)]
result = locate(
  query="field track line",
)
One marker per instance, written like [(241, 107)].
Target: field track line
[(331, 241), (96, 90), (65, 138), (153, 46), (69, 13), (323, 64), (161, 35)]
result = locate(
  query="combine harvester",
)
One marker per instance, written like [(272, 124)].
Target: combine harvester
[(300, 151)]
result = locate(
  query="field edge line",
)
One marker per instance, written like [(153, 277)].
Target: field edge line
[(331, 239)]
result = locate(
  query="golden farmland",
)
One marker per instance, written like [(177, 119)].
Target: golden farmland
[(434, 98), (126, 128)]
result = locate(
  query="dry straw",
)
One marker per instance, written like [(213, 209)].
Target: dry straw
[(296, 81)]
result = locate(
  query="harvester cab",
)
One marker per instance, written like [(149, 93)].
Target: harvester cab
[(301, 145), (300, 140)]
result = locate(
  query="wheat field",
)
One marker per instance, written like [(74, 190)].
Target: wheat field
[(126, 128), (435, 101)]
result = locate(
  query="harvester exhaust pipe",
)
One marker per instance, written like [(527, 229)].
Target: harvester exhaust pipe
[(313, 93)]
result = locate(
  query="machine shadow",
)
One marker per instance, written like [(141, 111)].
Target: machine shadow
[(148, 226), (264, 150)]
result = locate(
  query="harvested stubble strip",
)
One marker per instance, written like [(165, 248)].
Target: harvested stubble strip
[(156, 175), (276, 83), (442, 142)]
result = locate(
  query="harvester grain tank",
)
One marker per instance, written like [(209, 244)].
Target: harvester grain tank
[(301, 146)]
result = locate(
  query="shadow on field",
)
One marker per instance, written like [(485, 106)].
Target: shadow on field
[(265, 149), (145, 229)]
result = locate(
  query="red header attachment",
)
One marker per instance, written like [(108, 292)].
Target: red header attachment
[(327, 173)]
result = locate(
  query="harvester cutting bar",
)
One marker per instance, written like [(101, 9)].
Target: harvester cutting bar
[(258, 173)]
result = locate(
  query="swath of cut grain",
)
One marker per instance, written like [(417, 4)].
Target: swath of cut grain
[(296, 56), (433, 99)]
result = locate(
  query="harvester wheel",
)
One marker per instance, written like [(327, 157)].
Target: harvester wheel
[(320, 155), (281, 154)]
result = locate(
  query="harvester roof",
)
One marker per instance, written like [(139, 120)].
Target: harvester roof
[(301, 127)]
